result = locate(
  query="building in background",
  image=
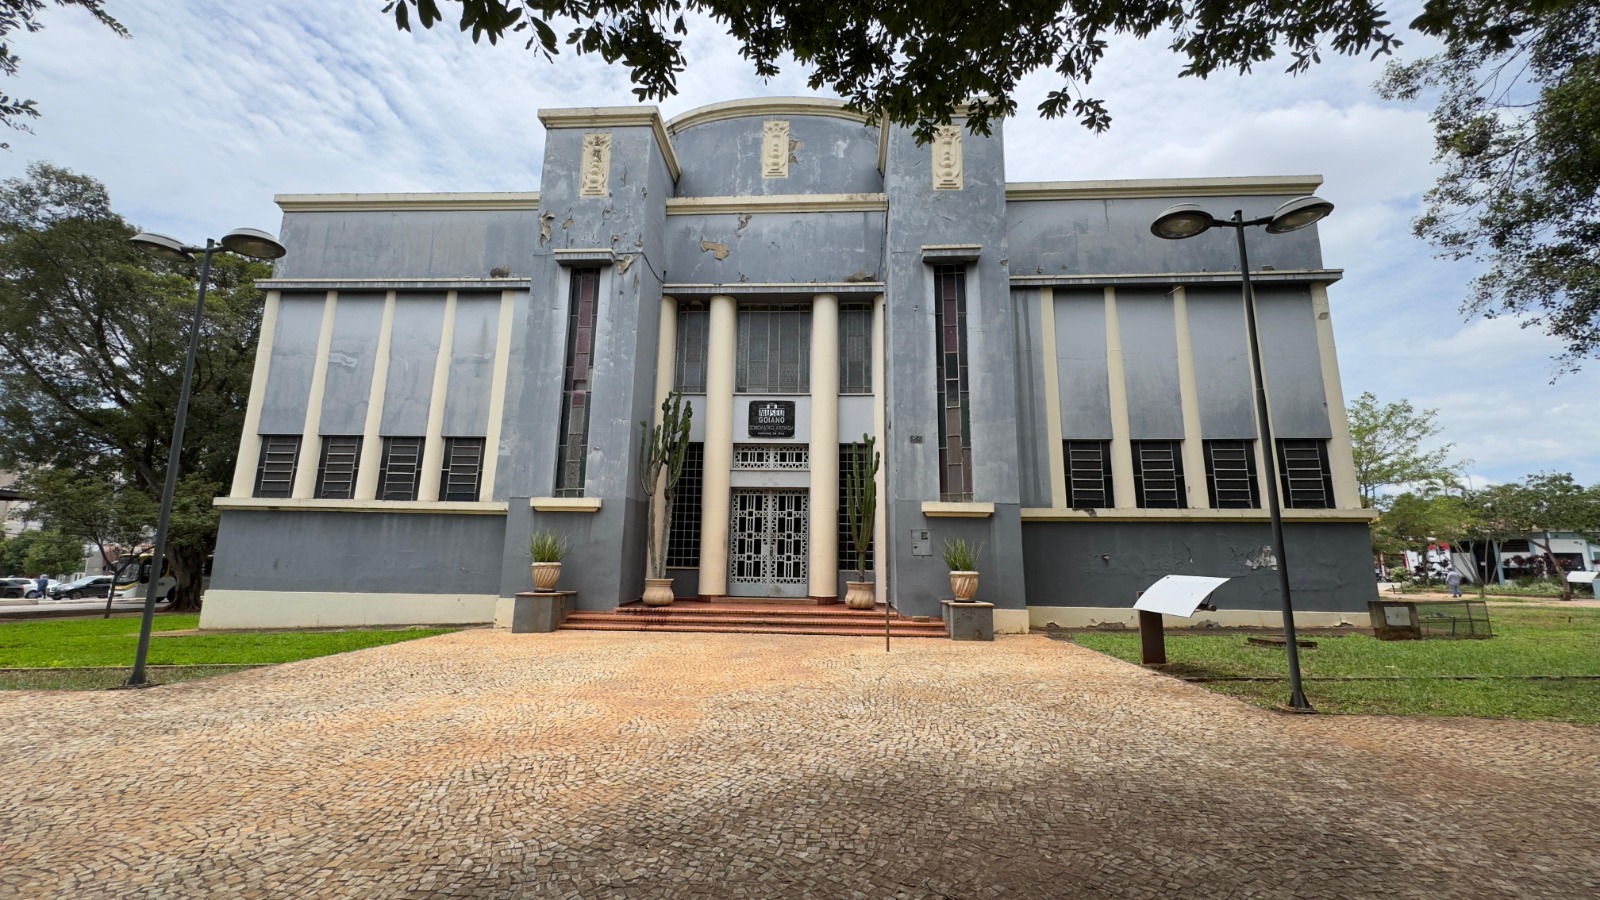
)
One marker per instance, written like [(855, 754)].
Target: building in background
[(441, 374)]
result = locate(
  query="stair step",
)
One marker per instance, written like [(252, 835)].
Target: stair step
[(696, 619), (838, 631)]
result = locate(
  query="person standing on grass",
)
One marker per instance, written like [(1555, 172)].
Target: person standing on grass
[(1454, 580)]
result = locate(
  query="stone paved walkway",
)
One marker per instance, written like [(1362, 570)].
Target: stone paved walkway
[(593, 765)]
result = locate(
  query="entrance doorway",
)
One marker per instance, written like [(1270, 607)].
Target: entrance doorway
[(768, 544)]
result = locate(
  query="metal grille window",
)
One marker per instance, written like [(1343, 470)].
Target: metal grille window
[(336, 471), (275, 470), (683, 536), (955, 419), (1158, 475), (400, 475), (774, 350), (1089, 474), (693, 339), (1231, 475), (1306, 480), (789, 457), (855, 349), (572, 454), (848, 454), (463, 468)]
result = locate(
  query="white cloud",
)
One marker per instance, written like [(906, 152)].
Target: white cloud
[(212, 107)]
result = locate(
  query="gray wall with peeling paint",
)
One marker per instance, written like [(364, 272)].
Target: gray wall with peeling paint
[(828, 155), (422, 244), (352, 355), (775, 247)]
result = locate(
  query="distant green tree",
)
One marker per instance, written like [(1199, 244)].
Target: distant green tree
[(92, 510), (93, 336), (1517, 133), (1533, 508), (33, 553), (23, 15), (1387, 442), (1411, 521)]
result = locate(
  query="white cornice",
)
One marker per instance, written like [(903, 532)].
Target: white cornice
[(1175, 188), (459, 507), (565, 504), (1292, 276), (405, 202), (764, 106), (616, 117), (1044, 514), (777, 203)]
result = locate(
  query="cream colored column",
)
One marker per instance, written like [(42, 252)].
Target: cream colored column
[(497, 394), (244, 468), (1055, 453), (880, 417), (1121, 447), (723, 324), (666, 367), (433, 441), (305, 475), (824, 524), (1194, 456), (1341, 456), (371, 440)]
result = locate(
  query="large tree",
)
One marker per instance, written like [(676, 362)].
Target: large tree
[(23, 16), (1388, 440), (93, 336), (1517, 132), (916, 62)]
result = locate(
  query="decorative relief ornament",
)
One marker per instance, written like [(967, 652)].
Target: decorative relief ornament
[(947, 158), (596, 164), (775, 149)]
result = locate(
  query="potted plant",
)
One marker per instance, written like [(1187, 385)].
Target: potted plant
[(962, 559), (861, 510), (661, 453), (547, 548)]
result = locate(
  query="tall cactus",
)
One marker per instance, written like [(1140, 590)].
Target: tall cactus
[(861, 499), (663, 449)]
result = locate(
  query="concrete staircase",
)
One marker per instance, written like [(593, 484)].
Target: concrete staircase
[(758, 617)]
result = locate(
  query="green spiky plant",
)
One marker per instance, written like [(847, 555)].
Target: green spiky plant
[(861, 499), (961, 556), (662, 449), (548, 546)]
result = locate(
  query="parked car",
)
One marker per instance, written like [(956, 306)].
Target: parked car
[(92, 586), (50, 584), (15, 588)]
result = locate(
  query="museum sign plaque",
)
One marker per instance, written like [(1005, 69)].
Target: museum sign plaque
[(772, 418)]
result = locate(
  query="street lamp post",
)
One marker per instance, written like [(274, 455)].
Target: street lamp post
[(245, 242), (1185, 221)]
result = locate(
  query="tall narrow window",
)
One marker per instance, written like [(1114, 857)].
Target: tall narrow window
[(1306, 480), (955, 416), (1158, 475), (1231, 475), (400, 474), (573, 452), (683, 534), (463, 469), (855, 348), (1089, 474), (848, 454), (774, 350), (336, 471), (693, 339), (275, 470)]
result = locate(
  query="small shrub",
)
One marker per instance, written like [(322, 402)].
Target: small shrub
[(961, 556), (548, 546)]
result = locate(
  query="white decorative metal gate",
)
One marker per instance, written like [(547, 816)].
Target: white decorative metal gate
[(768, 544)]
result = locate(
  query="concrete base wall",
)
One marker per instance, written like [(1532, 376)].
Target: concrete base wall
[(297, 609), (1040, 617)]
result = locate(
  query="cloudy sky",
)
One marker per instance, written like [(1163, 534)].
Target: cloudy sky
[(211, 108)]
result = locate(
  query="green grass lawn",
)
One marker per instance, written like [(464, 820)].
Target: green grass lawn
[(90, 643), (1528, 641)]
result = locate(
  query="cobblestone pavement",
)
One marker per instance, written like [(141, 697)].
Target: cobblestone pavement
[(671, 765)]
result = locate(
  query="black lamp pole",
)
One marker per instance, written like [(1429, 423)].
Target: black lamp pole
[(1269, 460), (158, 561)]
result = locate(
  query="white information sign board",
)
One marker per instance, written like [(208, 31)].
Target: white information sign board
[(1581, 577), (1178, 595)]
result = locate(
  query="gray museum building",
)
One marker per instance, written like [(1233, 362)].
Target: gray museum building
[(440, 375)]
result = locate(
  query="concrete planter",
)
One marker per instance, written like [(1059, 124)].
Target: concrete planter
[(657, 592), (532, 613), (545, 576), (859, 595), (964, 585), (969, 621)]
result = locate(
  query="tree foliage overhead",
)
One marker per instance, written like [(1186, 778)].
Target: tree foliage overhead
[(1517, 130), (1387, 443), (93, 336), (917, 62), (23, 16)]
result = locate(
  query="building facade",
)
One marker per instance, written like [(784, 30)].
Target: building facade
[(439, 375)]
